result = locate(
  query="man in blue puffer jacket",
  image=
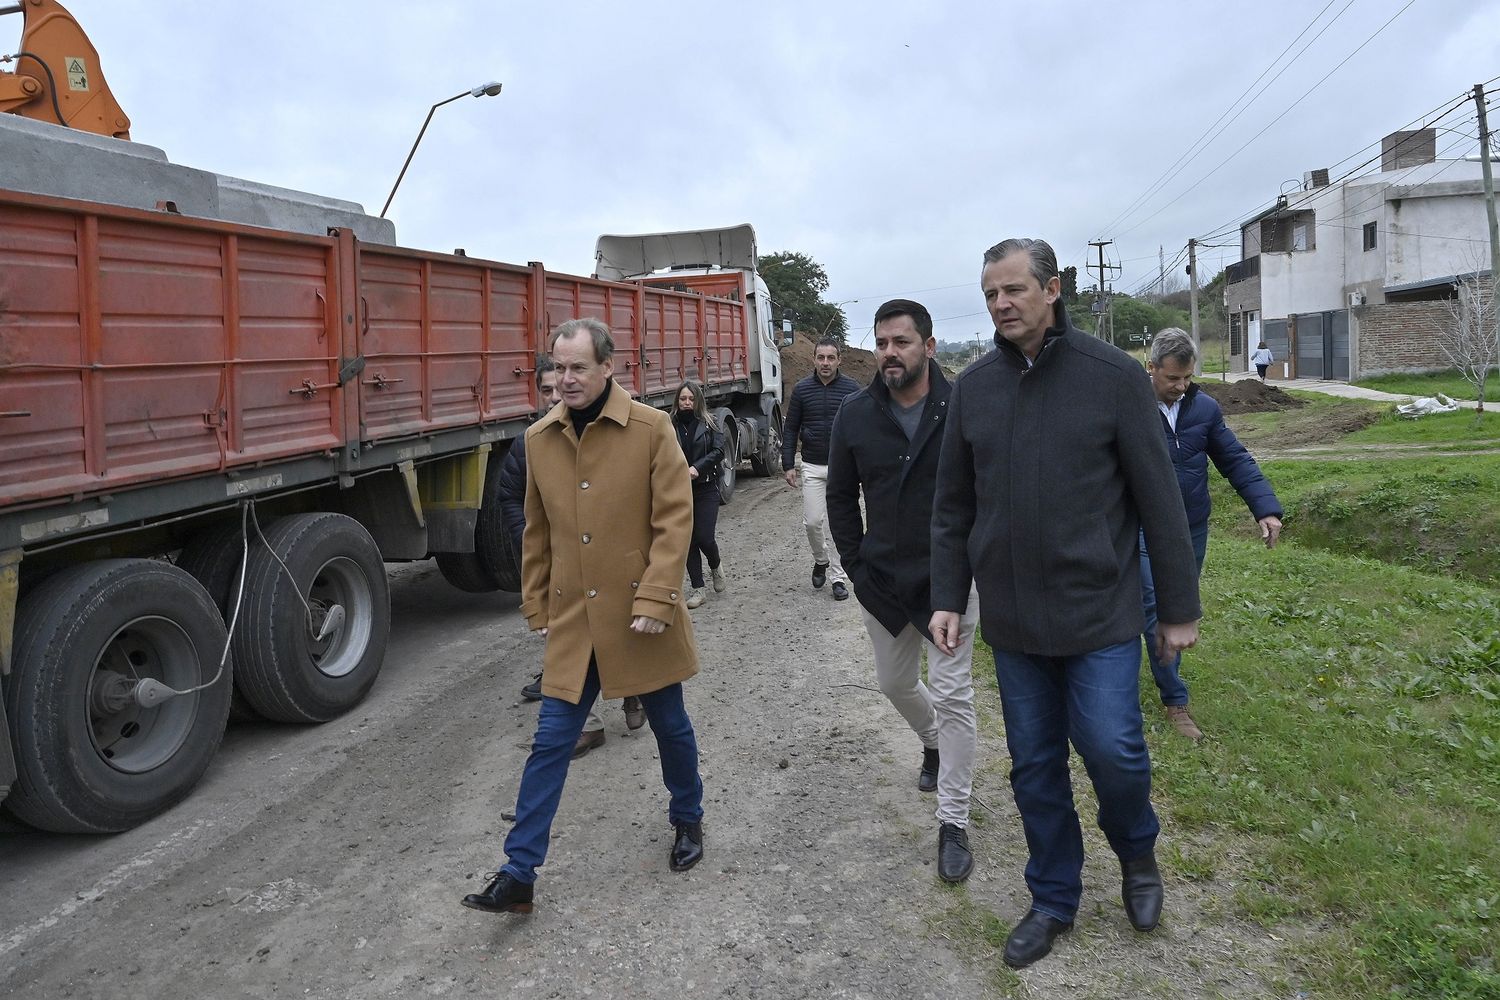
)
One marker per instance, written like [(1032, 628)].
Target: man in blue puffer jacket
[(1196, 432)]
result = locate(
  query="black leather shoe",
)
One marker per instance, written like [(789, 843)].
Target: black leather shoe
[(1141, 891), (1032, 939), (820, 575), (955, 860), (927, 777), (840, 591), (533, 691), (503, 895), (687, 846)]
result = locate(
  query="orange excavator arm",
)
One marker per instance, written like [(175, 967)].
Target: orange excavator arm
[(57, 77)]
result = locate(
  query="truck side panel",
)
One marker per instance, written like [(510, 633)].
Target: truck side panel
[(135, 347)]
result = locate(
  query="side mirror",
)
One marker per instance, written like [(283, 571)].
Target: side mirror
[(786, 341)]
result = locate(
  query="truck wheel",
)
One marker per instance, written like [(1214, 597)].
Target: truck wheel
[(286, 672), (728, 465), (766, 460), (466, 571), (213, 557), (91, 759), (492, 543)]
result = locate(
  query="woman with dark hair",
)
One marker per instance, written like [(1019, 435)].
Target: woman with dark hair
[(704, 447), (1262, 359)]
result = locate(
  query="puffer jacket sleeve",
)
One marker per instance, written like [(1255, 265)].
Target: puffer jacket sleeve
[(1237, 465), (790, 428), (511, 489)]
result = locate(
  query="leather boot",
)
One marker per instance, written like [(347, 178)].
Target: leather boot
[(503, 895), (1141, 891), (687, 846)]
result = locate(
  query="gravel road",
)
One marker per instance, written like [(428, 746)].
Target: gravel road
[(328, 861)]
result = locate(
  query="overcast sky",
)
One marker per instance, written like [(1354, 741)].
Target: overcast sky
[(892, 142)]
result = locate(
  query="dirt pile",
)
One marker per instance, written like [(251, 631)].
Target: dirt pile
[(1249, 396), (797, 362)]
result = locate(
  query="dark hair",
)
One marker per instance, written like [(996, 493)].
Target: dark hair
[(920, 317), (544, 365), (1043, 257), (604, 344), (828, 342), (700, 405)]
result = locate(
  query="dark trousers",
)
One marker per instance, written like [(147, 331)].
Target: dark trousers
[(705, 520), (1093, 701), (557, 729)]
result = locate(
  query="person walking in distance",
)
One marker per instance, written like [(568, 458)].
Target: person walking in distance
[(512, 493), (885, 444), (703, 446), (1196, 432), (809, 420), (1052, 465), (609, 514), (1262, 359)]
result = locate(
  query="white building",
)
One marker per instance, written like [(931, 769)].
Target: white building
[(1342, 280)]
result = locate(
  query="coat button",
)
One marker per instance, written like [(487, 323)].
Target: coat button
[(634, 585), (593, 593), (585, 538), (559, 591), (674, 595), (583, 485)]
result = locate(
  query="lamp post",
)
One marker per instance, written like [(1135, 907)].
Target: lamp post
[(483, 90)]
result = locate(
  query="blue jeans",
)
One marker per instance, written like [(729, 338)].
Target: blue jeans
[(1168, 676), (1092, 699), (557, 729)]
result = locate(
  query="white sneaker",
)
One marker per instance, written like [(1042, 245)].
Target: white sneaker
[(720, 585), (696, 596)]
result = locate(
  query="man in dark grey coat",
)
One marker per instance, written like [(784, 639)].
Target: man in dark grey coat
[(1053, 462)]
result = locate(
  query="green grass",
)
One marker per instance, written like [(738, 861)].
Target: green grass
[(1352, 776), (1434, 513), (1449, 383), (1464, 428)]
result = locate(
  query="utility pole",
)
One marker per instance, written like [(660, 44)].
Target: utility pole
[(1099, 308), (1489, 196), (1193, 301)]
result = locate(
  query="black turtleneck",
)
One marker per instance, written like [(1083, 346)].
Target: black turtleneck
[(582, 418)]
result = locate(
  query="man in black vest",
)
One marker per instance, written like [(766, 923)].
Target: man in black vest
[(809, 419), (886, 440)]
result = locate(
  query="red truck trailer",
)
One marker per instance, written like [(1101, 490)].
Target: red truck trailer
[(213, 434)]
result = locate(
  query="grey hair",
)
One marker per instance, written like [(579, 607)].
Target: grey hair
[(1175, 343), (1043, 257), (604, 344)]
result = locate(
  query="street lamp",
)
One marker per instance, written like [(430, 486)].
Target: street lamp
[(483, 90)]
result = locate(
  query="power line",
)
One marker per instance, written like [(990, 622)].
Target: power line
[(1170, 172), (1306, 94)]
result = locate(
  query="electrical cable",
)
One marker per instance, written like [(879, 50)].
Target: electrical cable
[(51, 82), (1306, 94)]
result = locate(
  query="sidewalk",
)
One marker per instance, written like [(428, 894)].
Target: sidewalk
[(1328, 387)]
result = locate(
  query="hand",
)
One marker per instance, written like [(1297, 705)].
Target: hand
[(945, 631), (791, 478), (542, 632), (1173, 639), (646, 625), (692, 472), (1270, 530)]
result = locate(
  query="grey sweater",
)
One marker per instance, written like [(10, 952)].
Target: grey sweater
[(1046, 473)]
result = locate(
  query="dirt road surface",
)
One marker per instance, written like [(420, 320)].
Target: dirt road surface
[(328, 861)]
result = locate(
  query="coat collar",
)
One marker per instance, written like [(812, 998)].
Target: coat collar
[(616, 408), (1061, 327)]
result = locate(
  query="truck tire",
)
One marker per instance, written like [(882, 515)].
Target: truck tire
[(766, 460), (285, 672), (90, 760), (213, 557), (729, 464), (466, 571)]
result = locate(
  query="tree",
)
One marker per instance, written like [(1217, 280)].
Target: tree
[(1468, 335), (797, 283)]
